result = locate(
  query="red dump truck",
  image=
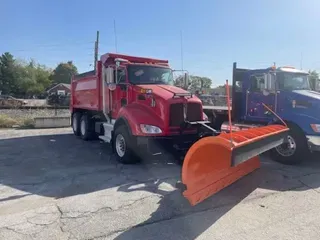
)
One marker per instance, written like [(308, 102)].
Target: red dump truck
[(143, 113), (131, 103)]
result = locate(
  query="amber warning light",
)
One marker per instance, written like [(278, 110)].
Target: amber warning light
[(146, 91)]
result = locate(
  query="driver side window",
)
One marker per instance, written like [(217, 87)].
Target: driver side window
[(121, 76), (257, 83)]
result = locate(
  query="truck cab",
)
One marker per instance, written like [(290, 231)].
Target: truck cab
[(287, 92), (134, 104)]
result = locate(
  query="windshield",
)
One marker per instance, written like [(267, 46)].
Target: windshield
[(150, 75), (293, 81)]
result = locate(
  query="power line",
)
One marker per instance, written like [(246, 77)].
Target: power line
[(52, 47), (96, 51), (181, 45), (50, 51), (61, 44)]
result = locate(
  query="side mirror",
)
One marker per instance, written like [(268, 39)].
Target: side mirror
[(269, 81), (266, 78), (186, 80), (112, 86), (109, 75)]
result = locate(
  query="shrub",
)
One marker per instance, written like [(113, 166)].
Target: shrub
[(7, 122)]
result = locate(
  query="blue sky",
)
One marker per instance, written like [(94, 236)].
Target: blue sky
[(215, 33)]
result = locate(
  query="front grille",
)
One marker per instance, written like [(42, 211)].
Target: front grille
[(176, 113)]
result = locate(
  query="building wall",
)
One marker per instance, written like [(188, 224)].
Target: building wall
[(60, 87)]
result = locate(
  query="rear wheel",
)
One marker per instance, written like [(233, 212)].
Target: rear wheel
[(76, 123), (86, 128), (124, 146), (294, 150)]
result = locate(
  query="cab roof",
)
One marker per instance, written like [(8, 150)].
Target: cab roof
[(110, 58), (291, 69)]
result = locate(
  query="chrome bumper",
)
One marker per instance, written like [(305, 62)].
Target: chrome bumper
[(314, 142)]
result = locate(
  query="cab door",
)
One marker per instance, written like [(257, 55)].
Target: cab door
[(120, 94), (261, 90), (107, 86)]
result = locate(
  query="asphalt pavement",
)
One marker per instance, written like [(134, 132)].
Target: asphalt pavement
[(56, 186)]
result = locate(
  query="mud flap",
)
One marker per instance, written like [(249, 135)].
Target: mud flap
[(213, 163)]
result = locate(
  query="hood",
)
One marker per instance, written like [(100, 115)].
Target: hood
[(163, 91), (308, 93)]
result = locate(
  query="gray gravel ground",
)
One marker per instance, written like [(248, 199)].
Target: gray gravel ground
[(55, 186)]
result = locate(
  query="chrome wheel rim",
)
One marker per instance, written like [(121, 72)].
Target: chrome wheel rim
[(120, 145), (287, 149)]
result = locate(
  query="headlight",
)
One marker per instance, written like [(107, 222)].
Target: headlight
[(316, 127), (149, 129)]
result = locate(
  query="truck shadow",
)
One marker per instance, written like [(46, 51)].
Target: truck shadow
[(60, 166), (54, 166)]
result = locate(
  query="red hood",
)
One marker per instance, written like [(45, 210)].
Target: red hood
[(163, 91)]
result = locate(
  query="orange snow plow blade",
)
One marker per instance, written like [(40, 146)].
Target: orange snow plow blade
[(213, 163)]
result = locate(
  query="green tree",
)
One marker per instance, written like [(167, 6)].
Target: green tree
[(197, 83), (37, 79), (222, 90), (314, 79), (8, 77), (200, 83), (63, 72), (33, 78)]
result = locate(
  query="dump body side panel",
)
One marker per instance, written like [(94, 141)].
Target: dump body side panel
[(85, 91)]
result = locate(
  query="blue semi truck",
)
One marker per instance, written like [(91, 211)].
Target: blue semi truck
[(286, 91)]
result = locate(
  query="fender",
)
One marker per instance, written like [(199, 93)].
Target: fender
[(136, 114), (302, 120), (122, 121)]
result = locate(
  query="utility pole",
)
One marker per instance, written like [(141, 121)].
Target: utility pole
[(96, 51), (181, 46), (115, 35), (301, 61)]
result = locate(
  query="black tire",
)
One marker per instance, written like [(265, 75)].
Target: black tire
[(75, 123), (301, 151), (130, 148), (87, 131)]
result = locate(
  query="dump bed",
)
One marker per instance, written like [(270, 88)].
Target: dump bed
[(85, 91), (215, 103), (215, 109)]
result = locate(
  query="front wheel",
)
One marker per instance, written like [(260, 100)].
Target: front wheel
[(294, 150), (124, 146)]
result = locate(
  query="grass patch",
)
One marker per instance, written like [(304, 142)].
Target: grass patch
[(9, 122), (28, 123), (24, 118)]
